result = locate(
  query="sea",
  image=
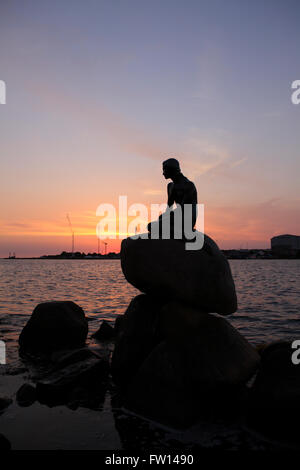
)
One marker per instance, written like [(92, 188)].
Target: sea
[(268, 294)]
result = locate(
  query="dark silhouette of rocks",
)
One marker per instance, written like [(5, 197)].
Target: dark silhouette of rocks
[(201, 278), (137, 333), (63, 370), (200, 366), (4, 443), (26, 395), (274, 405), (54, 326), (4, 403), (173, 360), (175, 363), (118, 324), (76, 378), (60, 359), (105, 333)]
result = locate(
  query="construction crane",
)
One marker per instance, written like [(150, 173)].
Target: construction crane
[(72, 232), (104, 243), (105, 249)]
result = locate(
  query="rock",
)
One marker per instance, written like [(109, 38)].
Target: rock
[(4, 403), (12, 369), (54, 326), (119, 323), (267, 351), (274, 405), (79, 396), (201, 366), (92, 398), (26, 395), (138, 333), (201, 278), (65, 358), (56, 387), (4, 443), (105, 332)]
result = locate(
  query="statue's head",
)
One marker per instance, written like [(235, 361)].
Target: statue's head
[(171, 168)]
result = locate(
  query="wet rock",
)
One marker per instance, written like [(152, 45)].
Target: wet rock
[(65, 358), (26, 395), (79, 396), (56, 387), (200, 368), (274, 405), (137, 334), (106, 332), (4, 443), (87, 397), (12, 369), (54, 326), (201, 278), (4, 403), (119, 323)]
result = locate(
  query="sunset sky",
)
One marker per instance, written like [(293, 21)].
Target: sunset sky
[(99, 93)]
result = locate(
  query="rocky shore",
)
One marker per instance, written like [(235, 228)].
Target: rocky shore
[(171, 358)]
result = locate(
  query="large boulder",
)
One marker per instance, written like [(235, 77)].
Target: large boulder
[(274, 405), (136, 335), (54, 326), (202, 365), (166, 268), (4, 403), (4, 443)]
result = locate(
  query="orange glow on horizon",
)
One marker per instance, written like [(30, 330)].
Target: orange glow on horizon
[(231, 227)]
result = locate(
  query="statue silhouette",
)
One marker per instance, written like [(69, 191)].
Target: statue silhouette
[(181, 191)]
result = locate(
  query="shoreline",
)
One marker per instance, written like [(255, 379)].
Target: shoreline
[(110, 426)]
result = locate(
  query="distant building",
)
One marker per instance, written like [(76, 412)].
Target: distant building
[(285, 245)]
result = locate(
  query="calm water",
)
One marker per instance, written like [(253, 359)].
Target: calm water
[(268, 294)]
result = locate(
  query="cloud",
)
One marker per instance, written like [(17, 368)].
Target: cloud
[(253, 222), (272, 114), (196, 151), (238, 162), (201, 155), (83, 224), (154, 192)]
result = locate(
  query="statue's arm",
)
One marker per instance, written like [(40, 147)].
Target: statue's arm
[(171, 199)]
